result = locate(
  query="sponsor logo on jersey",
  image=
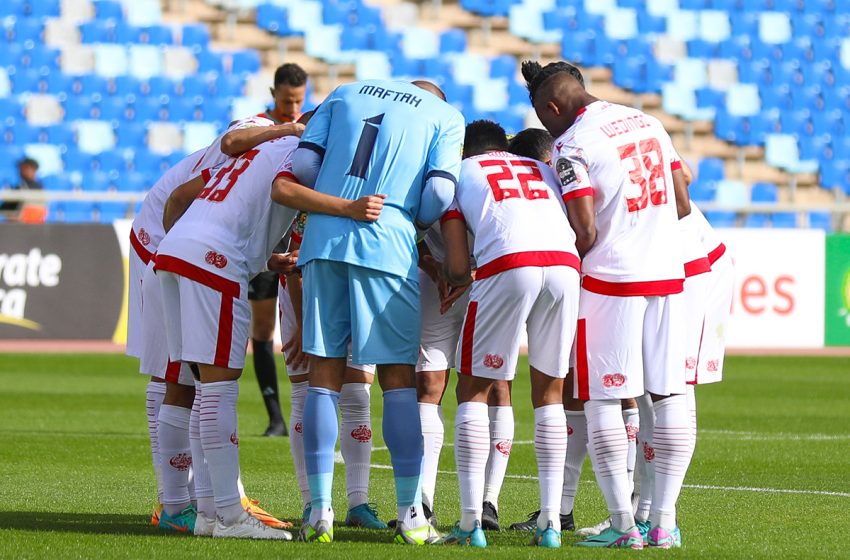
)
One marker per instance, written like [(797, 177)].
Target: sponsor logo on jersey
[(362, 433), (215, 259), (648, 452), (713, 366), (631, 432), (181, 461), (690, 363), (493, 361), (613, 380), (504, 447), (144, 237), (234, 439), (565, 171), (298, 427)]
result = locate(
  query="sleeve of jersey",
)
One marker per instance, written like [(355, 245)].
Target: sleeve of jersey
[(315, 136), (444, 155), (453, 213), (573, 178), (284, 170)]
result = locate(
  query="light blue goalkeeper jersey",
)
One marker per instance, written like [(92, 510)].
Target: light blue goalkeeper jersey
[(379, 137)]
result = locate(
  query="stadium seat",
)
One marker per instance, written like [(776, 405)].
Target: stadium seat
[(108, 212), (452, 40), (710, 169), (145, 61), (371, 65), (131, 135), (195, 36), (244, 62), (112, 161), (781, 151), (732, 193), (76, 160), (94, 137), (743, 100), (77, 211), (110, 60), (198, 135), (132, 182), (702, 191), (721, 219), (783, 219), (48, 156), (764, 193)]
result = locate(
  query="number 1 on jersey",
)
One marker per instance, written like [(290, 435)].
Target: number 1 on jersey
[(365, 146)]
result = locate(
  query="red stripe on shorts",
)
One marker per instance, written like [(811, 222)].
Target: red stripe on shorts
[(581, 361), (172, 371), (201, 276), (225, 333), (466, 339)]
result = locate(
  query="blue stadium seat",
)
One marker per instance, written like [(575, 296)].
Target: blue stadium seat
[(245, 62), (112, 160), (820, 220), (783, 219), (24, 133), (108, 9), (183, 109), (61, 134), (44, 59), (816, 146), (131, 135), (156, 35), (229, 86), (757, 221), (57, 183), (797, 123), (781, 151), (197, 86), (210, 61), (126, 34), (273, 18), (11, 8), (157, 86), (195, 36), (97, 31), (216, 110), (75, 160), (764, 193), (452, 40), (145, 161), (28, 31), (702, 191), (148, 109), (108, 212), (722, 219), (711, 169), (131, 182), (96, 181), (127, 87), (112, 109), (77, 108)]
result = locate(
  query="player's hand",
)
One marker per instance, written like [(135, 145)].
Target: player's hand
[(291, 129), (452, 295), (366, 208), (432, 268), (283, 263), (295, 356)]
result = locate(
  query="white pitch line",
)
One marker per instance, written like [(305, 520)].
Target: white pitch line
[(689, 486)]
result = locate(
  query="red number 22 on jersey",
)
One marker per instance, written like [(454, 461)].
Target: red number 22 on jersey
[(506, 172)]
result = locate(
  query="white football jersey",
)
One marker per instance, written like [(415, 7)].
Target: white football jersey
[(710, 240), (624, 159), (512, 206), (233, 226), (147, 224)]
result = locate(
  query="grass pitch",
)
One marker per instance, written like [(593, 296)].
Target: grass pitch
[(769, 477)]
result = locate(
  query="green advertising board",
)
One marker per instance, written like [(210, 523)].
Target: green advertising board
[(837, 312)]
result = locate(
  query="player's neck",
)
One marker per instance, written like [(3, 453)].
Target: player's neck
[(577, 106)]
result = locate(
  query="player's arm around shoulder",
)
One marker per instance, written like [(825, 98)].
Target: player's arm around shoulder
[(286, 190), (181, 198), (240, 140)]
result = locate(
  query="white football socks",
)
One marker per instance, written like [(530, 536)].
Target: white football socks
[(576, 452), (671, 441), (433, 432), (154, 395), (631, 419), (690, 393), (550, 448), (176, 457), (200, 471), (646, 456), (501, 441), (472, 447), (296, 439), (220, 440), (355, 438), (609, 446)]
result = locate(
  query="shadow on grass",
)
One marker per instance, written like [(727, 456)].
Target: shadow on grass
[(90, 523)]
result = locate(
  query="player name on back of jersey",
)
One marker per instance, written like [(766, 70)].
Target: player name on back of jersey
[(626, 125), (386, 93)]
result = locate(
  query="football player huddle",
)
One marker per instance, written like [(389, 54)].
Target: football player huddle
[(414, 245)]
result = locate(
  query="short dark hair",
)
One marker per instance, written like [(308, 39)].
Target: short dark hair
[(535, 75), (28, 161), (534, 143), (290, 74), (484, 135)]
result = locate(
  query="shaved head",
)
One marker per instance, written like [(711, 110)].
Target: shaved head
[(430, 87)]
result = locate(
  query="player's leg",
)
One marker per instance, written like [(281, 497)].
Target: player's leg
[(154, 395), (299, 383), (327, 330), (262, 293), (175, 450), (430, 388), (550, 321), (609, 339), (215, 329), (356, 445), (665, 380), (385, 312), (205, 522), (631, 418), (501, 414), (576, 451)]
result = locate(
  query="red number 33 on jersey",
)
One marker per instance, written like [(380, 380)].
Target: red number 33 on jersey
[(645, 164), (214, 191), (507, 172)]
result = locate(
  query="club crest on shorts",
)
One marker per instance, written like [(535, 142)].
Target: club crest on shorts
[(504, 447), (213, 258), (493, 361), (298, 427), (181, 461), (144, 237), (613, 380), (713, 366), (690, 363), (648, 452), (362, 433), (234, 439), (565, 171)]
